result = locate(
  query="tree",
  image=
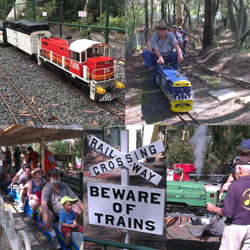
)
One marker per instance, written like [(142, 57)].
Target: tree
[(211, 7), (239, 20)]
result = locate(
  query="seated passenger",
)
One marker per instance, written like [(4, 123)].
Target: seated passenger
[(8, 177), (34, 186), (4, 169), (160, 49), (25, 162), (23, 185), (52, 194), (184, 39), (67, 219)]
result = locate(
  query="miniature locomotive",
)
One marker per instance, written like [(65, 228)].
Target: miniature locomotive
[(192, 197), (84, 59), (176, 87)]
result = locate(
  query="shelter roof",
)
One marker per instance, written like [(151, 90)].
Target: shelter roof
[(16, 135)]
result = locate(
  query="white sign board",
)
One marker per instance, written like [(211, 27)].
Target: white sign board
[(82, 13), (126, 207), (107, 165), (44, 13), (130, 160)]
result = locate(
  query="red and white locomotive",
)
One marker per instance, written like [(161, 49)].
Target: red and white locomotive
[(84, 59)]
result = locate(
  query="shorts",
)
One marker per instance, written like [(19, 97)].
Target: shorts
[(67, 230)]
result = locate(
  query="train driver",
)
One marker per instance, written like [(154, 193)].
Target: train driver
[(160, 49), (236, 208)]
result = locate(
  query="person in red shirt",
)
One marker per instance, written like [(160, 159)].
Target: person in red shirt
[(33, 155), (49, 161)]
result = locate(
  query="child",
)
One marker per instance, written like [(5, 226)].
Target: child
[(67, 219)]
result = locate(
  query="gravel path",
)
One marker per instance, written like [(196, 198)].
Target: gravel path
[(56, 102)]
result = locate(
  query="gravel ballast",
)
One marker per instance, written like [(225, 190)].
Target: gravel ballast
[(56, 102)]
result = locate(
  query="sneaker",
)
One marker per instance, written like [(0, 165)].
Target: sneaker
[(55, 243)]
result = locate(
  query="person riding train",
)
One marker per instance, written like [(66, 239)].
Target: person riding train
[(160, 50), (52, 194)]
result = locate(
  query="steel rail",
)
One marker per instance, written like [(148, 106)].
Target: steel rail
[(9, 108), (24, 98), (242, 83)]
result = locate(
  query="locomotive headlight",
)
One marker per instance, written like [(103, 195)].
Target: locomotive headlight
[(212, 196)]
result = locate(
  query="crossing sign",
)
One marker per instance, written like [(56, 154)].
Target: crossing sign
[(128, 160)]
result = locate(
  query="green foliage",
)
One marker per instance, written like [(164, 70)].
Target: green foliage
[(5, 8), (220, 150)]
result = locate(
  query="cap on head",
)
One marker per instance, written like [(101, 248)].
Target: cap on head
[(67, 198), (180, 27), (175, 26), (54, 171), (162, 26), (184, 31), (244, 146)]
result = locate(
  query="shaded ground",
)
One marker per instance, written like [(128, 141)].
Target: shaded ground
[(187, 241), (146, 104), (112, 234)]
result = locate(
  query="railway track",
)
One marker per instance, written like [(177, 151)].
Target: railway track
[(36, 117), (187, 122), (239, 82)]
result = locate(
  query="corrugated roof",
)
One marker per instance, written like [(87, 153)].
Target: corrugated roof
[(16, 135)]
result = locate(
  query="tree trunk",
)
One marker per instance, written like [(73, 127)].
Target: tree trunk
[(178, 12), (163, 16), (174, 17), (146, 13), (152, 14), (211, 7), (198, 12), (133, 24)]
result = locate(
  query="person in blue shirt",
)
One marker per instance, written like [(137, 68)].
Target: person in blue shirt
[(67, 219)]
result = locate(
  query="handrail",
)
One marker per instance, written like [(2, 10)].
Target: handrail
[(22, 236), (106, 243), (8, 233)]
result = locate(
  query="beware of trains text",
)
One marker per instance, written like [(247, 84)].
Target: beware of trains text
[(126, 207)]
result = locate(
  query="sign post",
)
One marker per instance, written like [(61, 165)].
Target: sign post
[(129, 208), (124, 170)]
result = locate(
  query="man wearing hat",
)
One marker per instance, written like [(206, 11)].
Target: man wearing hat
[(52, 194), (244, 150), (177, 35), (160, 49), (236, 207)]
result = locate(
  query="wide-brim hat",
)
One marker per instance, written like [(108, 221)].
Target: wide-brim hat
[(244, 146), (67, 198), (36, 170), (161, 26)]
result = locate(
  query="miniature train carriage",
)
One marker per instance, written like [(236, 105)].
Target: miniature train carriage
[(25, 35), (86, 60), (176, 87)]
